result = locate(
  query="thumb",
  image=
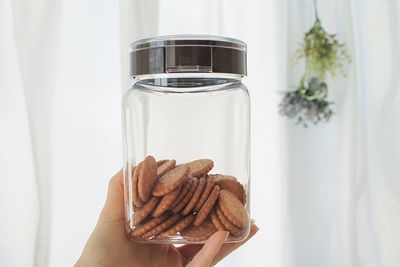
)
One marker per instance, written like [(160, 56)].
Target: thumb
[(113, 209), (110, 226)]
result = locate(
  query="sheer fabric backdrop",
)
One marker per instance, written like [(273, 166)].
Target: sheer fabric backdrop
[(342, 178), (325, 196)]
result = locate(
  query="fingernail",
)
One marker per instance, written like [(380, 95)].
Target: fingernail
[(256, 227), (226, 235), (253, 221)]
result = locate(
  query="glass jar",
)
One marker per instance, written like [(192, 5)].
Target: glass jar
[(186, 130)]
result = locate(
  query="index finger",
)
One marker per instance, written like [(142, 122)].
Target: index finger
[(189, 251)]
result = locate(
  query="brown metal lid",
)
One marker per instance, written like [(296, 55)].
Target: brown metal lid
[(187, 54)]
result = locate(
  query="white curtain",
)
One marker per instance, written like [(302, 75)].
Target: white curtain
[(342, 178), (328, 195)]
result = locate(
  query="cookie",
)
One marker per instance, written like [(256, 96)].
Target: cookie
[(141, 213), (185, 187), (216, 221), (235, 231), (165, 167), (207, 207), (200, 167), (165, 202), (235, 188), (171, 180), (182, 224), (161, 162), (142, 229), (187, 197), (207, 190), (147, 177), (137, 202), (219, 177), (231, 184), (161, 227), (199, 233), (196, 196), (232, 208)]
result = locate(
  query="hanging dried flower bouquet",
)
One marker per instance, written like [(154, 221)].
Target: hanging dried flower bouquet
[(323, 55)]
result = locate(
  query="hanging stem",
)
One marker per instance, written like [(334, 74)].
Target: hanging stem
[(316, 10)]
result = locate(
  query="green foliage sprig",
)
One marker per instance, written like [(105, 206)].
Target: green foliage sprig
[(322, 52), (323, 55)]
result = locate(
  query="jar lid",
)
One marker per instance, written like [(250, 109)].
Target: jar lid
[(187, 54)]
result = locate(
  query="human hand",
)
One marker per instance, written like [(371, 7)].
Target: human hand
[(110, 246)]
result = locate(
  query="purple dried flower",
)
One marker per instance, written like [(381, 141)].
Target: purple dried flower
[(307, 103)]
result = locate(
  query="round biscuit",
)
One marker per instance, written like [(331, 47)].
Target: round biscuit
[(200, 167), (161, 162), (137, 202), (216, 221), (141, 229), (185, 187), (235, 231), (182, 224), (161, 227), (165, 167), (165, 202), (147, 177), (171, 180), (141, 213), (187, 197), (199, 233), (219, 177), (231, 184), (207, 207), (233, 208), (207, 190), (195, 198)]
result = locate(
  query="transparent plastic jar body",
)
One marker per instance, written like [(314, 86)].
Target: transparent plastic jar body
[(186, 117)]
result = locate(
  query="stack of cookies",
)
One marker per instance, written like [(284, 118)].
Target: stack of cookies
[(170, 199)]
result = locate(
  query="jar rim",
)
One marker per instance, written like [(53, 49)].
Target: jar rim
[(187, 54), (187, 40)]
